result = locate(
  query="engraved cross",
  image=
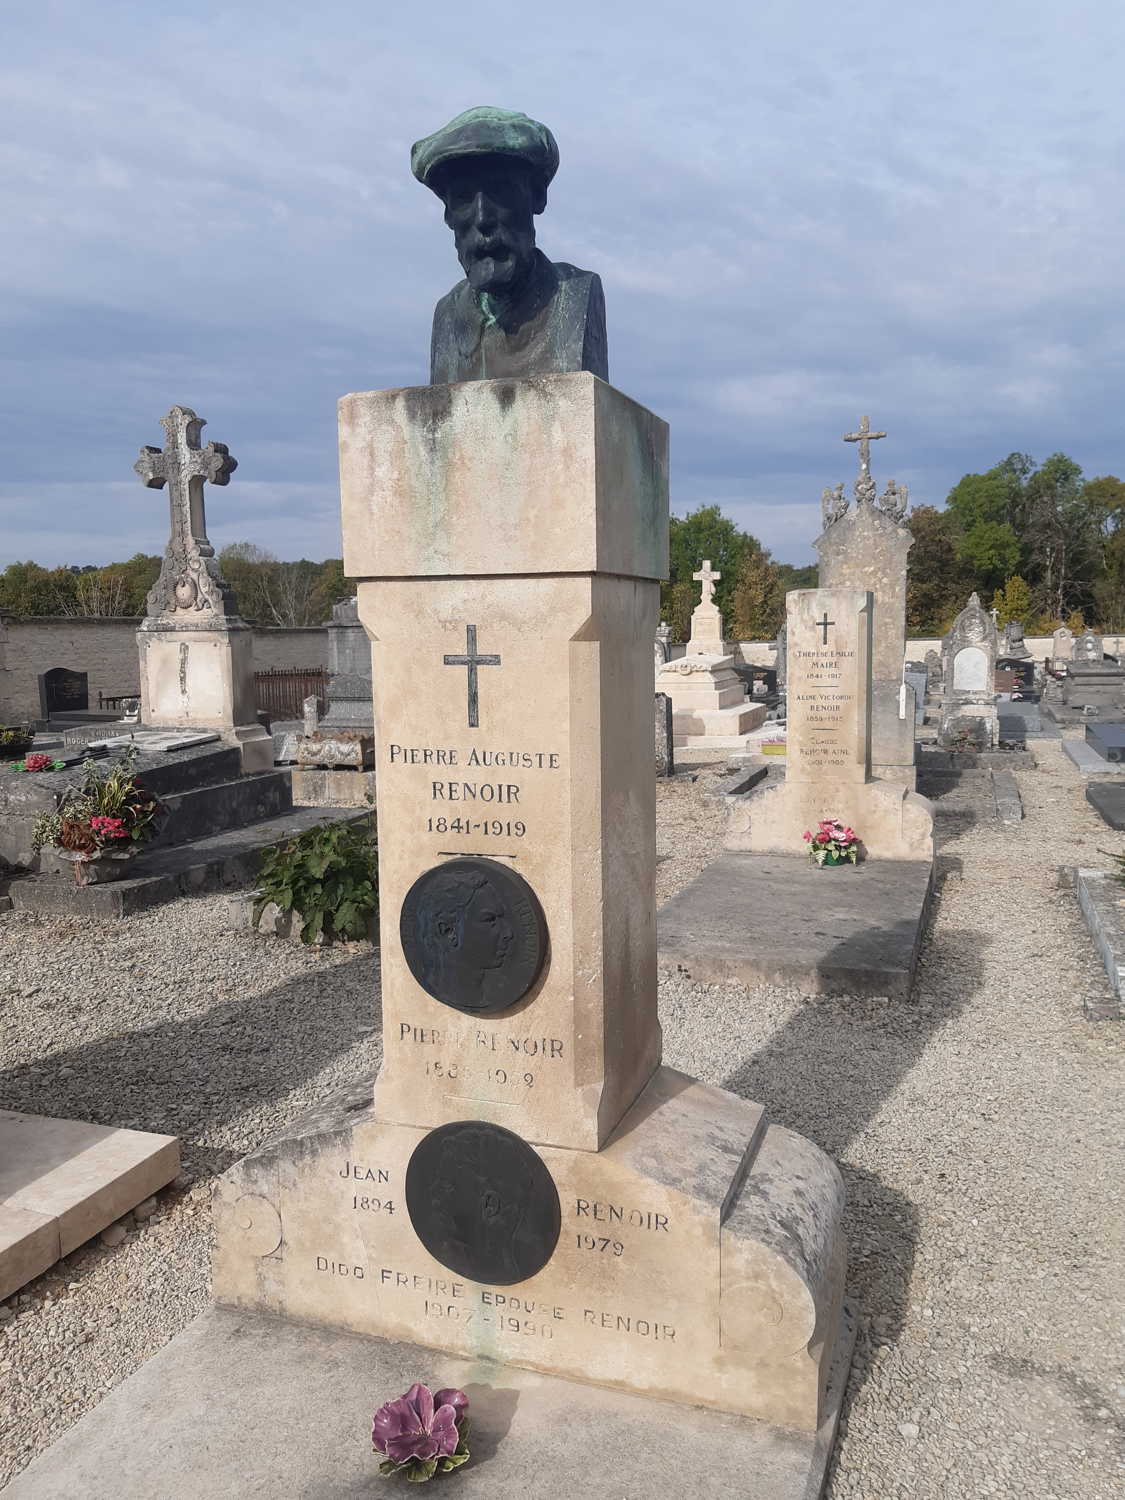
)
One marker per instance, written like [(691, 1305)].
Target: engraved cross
[(823, 625), (708, 578), (472, 660), (864, 437), (183, 466)]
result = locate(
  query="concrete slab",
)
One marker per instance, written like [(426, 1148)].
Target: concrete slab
[(1102, 902), (779, 919), (248, 1405), (61, 1181), (1107, 798), (1089, 762)]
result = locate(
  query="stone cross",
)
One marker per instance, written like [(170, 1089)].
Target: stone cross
[(186, 582), (472, 659), (864, 485), (708, 578)]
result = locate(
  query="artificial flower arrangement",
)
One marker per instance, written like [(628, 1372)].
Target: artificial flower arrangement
[(832, 843), (422, 1433), (109, 813), (37, 761)]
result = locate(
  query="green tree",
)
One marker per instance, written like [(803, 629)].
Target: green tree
[(1060, 538), (1013, 603), (28, 589), (758, 600), (705, 534), (938, 579), (329, 588), (791, 577)]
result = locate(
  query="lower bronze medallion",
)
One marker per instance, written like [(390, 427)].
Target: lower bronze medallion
[(473, 934), (483, 1202)]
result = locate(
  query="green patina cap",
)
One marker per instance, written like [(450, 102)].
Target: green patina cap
[(485, 131)]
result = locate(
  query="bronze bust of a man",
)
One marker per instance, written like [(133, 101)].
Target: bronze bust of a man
[(516, 313)]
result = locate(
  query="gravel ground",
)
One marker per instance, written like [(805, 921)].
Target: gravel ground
[(980, 1129)]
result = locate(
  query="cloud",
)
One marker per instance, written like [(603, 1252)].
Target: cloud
[(800, 214)]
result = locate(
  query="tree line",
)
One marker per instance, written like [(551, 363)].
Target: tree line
[(269, 592), (1038, 542)]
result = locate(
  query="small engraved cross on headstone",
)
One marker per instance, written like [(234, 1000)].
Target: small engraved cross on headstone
[(708, 578), (472, 660), (823, 625)]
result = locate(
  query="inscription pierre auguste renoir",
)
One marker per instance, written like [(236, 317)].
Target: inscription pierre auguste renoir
[(465, 802)]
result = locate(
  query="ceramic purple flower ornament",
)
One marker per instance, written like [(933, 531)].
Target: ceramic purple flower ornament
[(422, 1434)]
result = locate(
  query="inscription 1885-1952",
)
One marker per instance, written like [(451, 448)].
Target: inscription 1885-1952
[(473, 934), (483, 1203)]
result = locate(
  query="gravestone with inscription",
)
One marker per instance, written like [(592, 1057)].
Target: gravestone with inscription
[(1062, 644), (866, 547), (828, 758), (62, 691), (196, 654), (969, 654), (529, 1184)]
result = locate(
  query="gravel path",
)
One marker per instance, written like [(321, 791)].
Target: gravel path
[(980, 1130)]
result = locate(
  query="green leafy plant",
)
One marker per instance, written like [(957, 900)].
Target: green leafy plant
[(329, 876)]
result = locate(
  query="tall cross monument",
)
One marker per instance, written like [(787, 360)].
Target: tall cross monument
[(196, 654)]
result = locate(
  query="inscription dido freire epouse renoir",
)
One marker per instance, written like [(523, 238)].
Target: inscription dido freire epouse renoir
[(472, 929)]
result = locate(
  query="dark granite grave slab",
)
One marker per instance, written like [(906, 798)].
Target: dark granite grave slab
[(1107, 798), (242, 1404), (779, 919), (1107, 740)]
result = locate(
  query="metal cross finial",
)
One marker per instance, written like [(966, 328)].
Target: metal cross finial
[(188, 579), (708, 578)]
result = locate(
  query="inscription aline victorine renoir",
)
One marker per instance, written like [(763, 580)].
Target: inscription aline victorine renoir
[(822, 702)]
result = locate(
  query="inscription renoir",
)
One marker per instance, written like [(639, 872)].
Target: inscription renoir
[(458, 1302)]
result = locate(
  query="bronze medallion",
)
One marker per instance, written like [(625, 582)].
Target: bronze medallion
[(474, 935), (483, 1202)]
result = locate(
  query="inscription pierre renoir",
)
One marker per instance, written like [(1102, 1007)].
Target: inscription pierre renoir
[(494, 1058), (465, 802)]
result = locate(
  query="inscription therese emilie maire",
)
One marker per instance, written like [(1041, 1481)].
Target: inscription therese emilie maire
[(820, 704)]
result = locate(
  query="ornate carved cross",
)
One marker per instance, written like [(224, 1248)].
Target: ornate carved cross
[(708, 578), (186, 580)]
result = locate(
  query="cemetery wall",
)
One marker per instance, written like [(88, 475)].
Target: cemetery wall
[(106, 649)]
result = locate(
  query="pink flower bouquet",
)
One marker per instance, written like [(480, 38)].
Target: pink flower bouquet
[(422, 1434), (833, 842)]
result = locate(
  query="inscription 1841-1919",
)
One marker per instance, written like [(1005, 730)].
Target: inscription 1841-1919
[(473, 934), (483, 1202)]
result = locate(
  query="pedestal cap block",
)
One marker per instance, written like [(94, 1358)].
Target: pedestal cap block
[(557, 473)]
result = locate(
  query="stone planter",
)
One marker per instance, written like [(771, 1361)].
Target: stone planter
[(97, 869), (16, 749)]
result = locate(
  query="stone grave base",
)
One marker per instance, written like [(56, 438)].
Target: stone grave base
[(1089, 762), (1099, 897), (61, 1181), (780, 919), (315, 787), (699, 1255), (249, 1405), (717, 728), (892, 820), (1107, 798)]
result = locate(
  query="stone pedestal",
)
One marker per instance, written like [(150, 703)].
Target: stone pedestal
[(828, 761), (529, 1184), (709, 702), (1094, 684), (969, 654), (201, 677), (867, 549)]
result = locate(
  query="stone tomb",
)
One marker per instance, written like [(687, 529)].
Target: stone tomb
[(710, 709), (196, 654), (828, 762), (867, 548), (969, 654), (529, 1184)]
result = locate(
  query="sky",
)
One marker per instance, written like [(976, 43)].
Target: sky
[(801, 212)]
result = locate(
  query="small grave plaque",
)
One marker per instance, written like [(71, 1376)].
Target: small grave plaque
[(474, 935), (483, 1203)]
